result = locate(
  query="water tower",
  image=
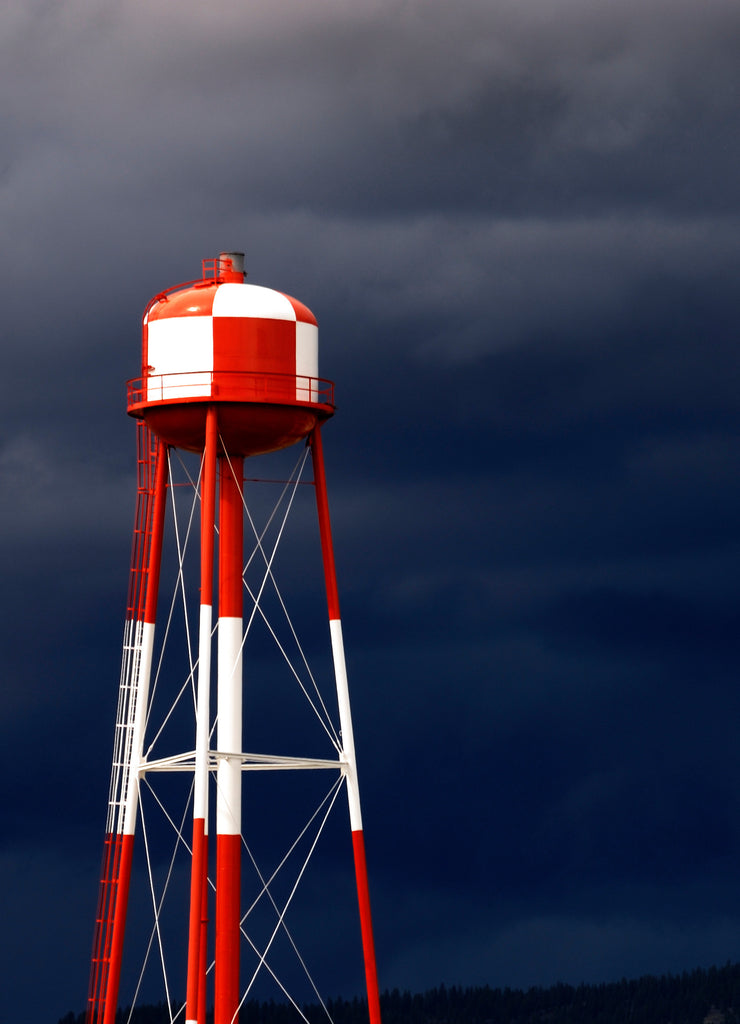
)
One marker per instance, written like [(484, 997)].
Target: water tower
[(229, 372)]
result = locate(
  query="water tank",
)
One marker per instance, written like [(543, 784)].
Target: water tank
[(251, 350)]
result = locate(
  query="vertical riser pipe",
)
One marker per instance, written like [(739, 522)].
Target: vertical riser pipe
[(229, 740), (197, 931)]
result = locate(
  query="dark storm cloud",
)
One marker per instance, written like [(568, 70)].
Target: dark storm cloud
[(44, 494), (407, 108), (518, 226)]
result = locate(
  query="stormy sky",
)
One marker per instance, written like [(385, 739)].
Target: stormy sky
[(517, 224)]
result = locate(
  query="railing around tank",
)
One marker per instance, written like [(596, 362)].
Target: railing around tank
[(229, 386)]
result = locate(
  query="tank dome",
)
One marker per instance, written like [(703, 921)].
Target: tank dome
[(251, 350)]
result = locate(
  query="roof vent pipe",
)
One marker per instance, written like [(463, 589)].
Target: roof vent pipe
[(231, 266)]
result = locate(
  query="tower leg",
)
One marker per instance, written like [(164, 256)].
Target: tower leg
[(345, 721), (197, 933), (229, 740), (133, 698)]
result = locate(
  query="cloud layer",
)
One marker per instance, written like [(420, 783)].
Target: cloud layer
[(518, 226)]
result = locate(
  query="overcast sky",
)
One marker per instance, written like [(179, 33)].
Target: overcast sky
[(517, 224)]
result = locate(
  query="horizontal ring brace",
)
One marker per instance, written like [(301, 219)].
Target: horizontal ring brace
[(249, 762)]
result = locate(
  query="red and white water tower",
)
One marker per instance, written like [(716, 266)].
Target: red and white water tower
[(229, 371)]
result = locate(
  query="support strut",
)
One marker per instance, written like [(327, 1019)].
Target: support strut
[(345, 720)]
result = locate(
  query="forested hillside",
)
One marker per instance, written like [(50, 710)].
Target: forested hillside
[(695, 997)]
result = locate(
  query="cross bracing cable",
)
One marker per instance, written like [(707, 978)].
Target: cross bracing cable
[(178, 590), (157, 905), (293, 480), (331, 795), (281, 918)]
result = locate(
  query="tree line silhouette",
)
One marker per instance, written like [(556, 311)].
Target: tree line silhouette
[(710, 995)]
